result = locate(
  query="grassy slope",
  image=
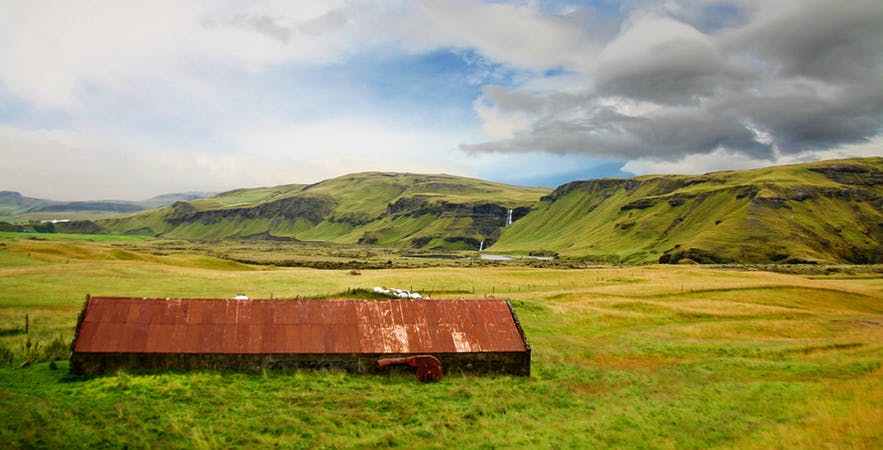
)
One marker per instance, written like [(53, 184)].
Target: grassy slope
[(12, 203), (637, 357), (69, 215), (747, 216), (245, 197), (359, 203)]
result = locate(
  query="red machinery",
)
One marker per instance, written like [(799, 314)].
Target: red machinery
[(429, 368)]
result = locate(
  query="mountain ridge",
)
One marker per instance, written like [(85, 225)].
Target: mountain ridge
[(821, 212), (13, 202), (376, 208), (828, 211)]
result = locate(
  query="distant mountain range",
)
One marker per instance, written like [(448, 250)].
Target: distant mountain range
[(823, 212), (14, 204)]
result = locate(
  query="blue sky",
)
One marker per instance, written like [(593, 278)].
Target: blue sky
[(126, 100)]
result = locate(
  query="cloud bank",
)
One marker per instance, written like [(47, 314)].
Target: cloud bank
[(192, 95), (775, 80)]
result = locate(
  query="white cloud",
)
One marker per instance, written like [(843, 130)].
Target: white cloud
[(695, 164), (738, 82), (500, 124), (171, 95), (70, 165), (724, 160), (337, 146), (515, 34), (55, 53)]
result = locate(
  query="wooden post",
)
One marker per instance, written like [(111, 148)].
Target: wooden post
[(27, 324)]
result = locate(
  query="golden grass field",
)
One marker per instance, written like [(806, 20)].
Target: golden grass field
[(623, 356)]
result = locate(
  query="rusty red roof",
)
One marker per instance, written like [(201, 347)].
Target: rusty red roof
[(220, 326)]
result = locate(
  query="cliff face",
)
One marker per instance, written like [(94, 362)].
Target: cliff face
[(820, 212), (310, 209)]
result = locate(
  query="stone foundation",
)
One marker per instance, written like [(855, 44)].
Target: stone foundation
[(508, 363)]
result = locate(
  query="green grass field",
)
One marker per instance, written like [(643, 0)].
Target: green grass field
[(623, 357), (72, 236)]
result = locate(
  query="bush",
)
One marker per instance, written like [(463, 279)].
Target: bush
[(30, 352), (6, 356), (57, 349)]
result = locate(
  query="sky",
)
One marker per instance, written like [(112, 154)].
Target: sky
[(130, 99)]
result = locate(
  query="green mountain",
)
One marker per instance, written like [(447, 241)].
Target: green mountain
[(824, 212), (398, 210), (15, 203), (110, 206), (167, 199), (830, 211)]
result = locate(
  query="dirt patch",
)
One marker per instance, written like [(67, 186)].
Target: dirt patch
[(859, 323)]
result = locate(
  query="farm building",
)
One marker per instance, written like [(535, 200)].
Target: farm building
[(474, 336)]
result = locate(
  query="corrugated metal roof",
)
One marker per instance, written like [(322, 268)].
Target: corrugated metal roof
[(217, 326)]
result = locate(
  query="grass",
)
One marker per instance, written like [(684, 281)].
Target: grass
[(717, 213), (712, 218), (623, 357), (73, 236), (26, 217), (340, 210)]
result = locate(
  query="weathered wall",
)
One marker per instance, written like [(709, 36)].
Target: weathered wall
[(511, 363)]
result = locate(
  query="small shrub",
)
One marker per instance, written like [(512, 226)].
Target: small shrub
[(6, 356), (30, 352), (56, 350)]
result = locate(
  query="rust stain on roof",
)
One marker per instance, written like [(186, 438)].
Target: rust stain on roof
[(218, 326)]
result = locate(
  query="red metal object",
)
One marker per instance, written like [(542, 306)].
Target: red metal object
[(429, 368), (220, 326)]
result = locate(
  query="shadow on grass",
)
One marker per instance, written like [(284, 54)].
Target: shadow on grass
[(4, 332)]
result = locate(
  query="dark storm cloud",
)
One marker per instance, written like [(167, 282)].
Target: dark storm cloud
[(512, 100), (599, 130), (672, 73), (805, 122), (790, 78), (838, 41)]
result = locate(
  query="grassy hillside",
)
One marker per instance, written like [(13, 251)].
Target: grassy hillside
[(401, 210), (623, 357), (829, 211), (14, 203)]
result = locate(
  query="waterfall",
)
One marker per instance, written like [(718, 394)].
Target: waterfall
[(481, 246), (509, 218)]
